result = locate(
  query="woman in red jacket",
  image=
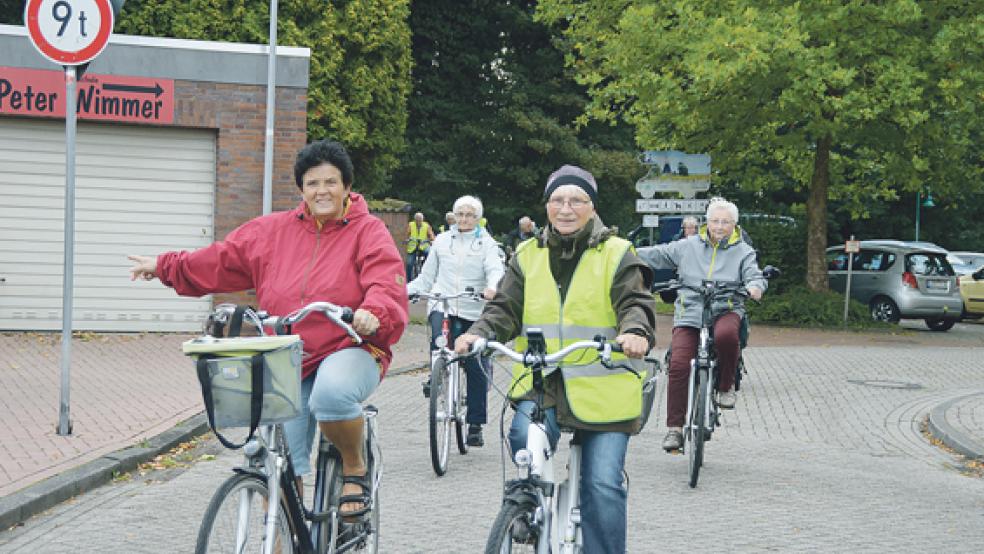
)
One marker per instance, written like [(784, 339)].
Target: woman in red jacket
[(328, 248)]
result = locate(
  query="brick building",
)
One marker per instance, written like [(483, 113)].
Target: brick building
[(169, 156)]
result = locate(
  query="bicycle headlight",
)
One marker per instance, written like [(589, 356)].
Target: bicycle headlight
[(523, 458), (440, 341)]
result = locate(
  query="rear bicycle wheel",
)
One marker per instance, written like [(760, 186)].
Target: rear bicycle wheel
[(696, 426), (235, 520), (460, 410), (513, 530), (440, 417)]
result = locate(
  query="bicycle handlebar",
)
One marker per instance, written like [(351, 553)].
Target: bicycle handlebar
[(469, 292), (530, 359), (339, 315)]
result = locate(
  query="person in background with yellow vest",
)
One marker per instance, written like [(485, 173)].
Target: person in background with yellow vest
[(419, 238), (577, 280)]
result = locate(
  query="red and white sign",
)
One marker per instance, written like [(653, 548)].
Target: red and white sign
[(69, 32), (41, 93)]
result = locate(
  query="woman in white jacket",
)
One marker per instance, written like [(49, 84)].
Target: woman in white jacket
[(461, 257)]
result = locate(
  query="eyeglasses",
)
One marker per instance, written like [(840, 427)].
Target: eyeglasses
[(468, 215), (574, 203), (720, 222)]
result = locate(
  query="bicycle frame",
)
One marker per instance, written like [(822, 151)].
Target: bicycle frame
[(558, 514), (268, 457)]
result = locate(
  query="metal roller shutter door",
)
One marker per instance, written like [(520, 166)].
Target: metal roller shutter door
[(139, 190)]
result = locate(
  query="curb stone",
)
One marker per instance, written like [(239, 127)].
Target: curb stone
[(941, 429), (34, 499)]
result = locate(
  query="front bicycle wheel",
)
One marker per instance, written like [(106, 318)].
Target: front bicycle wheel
[(235, 520), (696, 426), (460, 410), (440, 416), (513, 530)]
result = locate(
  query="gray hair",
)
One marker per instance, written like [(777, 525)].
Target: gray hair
[(471, 202), (689, 220), (718, 203)]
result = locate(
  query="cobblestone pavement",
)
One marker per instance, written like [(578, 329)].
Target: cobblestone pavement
[(825, 453)]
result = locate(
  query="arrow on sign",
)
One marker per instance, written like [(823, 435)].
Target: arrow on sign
[(156, 90)]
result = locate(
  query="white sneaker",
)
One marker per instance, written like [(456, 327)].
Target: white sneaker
[(726, 399), (673, 439)]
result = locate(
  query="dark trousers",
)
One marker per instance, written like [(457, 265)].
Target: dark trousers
[(477, 384), (683, 348), (411, 260)]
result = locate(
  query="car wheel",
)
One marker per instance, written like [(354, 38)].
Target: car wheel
[(883, 309), (940, 324)]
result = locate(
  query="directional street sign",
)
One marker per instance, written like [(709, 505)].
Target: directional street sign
[(671, 206), (69, 32)]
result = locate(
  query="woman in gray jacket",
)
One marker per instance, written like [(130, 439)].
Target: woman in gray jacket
[(716, 252)]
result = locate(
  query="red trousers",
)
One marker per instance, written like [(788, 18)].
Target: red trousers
[(683, 347)]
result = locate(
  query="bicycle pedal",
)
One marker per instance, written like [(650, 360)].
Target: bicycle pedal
[(319, 517)]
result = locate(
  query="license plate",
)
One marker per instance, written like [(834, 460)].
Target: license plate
[(936, 285)]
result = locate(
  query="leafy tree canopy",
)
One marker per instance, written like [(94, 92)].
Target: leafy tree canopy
[(360, 61), (492, 114), (853, 101)]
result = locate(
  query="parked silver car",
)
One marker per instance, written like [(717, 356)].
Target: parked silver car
[(898, 280)]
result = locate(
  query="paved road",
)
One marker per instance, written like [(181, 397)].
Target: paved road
[(825, 453)]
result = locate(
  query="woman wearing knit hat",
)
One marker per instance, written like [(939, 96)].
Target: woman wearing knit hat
[(578, 274)]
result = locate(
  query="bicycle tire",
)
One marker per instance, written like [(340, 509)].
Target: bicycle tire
[(512, 530), (439, 420), (332, 491), (219, 525), (367, 532), (697, 432), (460, 409)]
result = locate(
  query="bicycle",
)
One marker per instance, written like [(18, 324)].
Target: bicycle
[(703, 412), (447, 397), (538, 512), (259, 508)]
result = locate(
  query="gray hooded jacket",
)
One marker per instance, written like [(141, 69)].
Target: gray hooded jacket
[(695, 260)]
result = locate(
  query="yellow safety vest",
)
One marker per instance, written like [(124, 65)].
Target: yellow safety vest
[(418, 236), (595, 393)]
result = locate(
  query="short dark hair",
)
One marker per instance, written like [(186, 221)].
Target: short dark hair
[(321, 152)]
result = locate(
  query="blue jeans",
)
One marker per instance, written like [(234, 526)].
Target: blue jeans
[(603, 498), (335, 392), (477, 383)]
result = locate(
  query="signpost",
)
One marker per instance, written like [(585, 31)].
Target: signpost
[(69, 33), (851, 247), (672, 206)]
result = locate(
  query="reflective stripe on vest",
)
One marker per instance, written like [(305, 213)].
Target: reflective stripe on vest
[(418, 235), (595, 393)]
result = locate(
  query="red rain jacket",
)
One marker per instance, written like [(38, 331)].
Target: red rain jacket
[(290, 263)]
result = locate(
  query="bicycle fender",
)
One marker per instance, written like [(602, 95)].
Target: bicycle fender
[(250, 471)]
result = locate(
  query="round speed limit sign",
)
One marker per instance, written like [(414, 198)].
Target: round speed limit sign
[(69, 32)]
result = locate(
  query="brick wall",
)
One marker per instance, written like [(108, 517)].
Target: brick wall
[(237, 113)]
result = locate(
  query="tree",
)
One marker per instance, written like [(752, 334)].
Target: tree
[(492, 114), (856, 102), (360, 61)]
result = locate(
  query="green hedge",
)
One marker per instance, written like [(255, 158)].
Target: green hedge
[(801, 307)]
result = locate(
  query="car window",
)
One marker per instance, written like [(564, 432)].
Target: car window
[(924, 263), (874, 260), (836, 261)]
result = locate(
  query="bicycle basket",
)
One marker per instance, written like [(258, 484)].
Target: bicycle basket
[(226, 373)]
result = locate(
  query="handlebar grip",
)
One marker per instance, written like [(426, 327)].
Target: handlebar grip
[(347, 315), (616, 347)]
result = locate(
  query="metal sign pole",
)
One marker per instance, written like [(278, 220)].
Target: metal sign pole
[(64, 422), (270, 109), (847, 287)]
